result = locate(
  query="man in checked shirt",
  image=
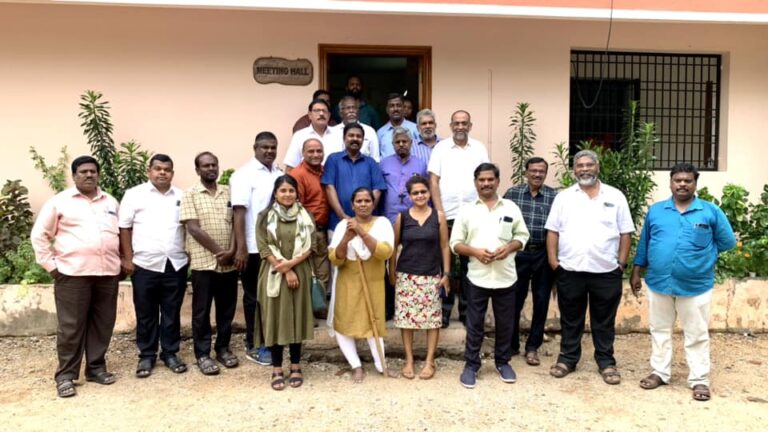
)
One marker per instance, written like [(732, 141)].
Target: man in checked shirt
[(534, 199)]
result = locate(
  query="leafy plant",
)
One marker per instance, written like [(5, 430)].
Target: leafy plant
[(735, 205), (563, 174), (224, 179), (523, 138), (15, 216), (19, 266), (55, 175), (121, 167)]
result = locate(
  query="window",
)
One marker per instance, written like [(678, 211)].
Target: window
[(679, 93)]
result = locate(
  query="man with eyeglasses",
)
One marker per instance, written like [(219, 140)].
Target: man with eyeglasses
[(319, 115)]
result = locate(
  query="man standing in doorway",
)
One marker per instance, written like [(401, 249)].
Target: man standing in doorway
[(678, 249), (368, 114), (349, 114), (534, 199), (589, 229), (206, 211), (489, 232), (451, 177), (75, 238), (152, 245), (396, 119), (319, 113), (251, 188), (427, 138)]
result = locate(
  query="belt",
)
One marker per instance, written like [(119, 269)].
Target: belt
[(534, 247)]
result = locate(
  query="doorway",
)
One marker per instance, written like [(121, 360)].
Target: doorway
[(383, 70)]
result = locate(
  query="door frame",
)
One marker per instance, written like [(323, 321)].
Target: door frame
[(423, 52)]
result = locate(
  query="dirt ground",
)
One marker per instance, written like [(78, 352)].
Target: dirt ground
[(240, 399)]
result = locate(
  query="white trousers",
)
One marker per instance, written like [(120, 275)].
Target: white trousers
[(349, 349), (694, 320)]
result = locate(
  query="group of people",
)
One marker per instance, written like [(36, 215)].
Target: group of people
[(395, 223)]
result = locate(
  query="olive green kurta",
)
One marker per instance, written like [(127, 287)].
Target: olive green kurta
[(287, 318), (350, 313)]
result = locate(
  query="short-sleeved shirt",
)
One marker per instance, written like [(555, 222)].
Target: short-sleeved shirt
[(214, 214), (346, 175), (396, 175), (455, 166), (311, 193), (535, 209), (251, 187), (158, 235), (293, 156), (385, 136), (589, 228), (680, 250)]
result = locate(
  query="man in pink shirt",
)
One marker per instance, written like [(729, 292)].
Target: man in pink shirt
[(75, 238)]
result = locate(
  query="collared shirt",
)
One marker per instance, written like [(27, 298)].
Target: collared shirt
[(213, 212), (346, 175), (589, 228), (422, 150), (680, 250), (369, 148), (311, 193), (251, 187), (535, 209), (455, 166), (385, 136), (304, 121), (78, 236), (293, 156), (157, 236), (480, 227), (396, 175)]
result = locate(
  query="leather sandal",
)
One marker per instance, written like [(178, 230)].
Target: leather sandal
[(701, 393), (559, 370), (207, 366), (103, 378), (532, 358), (278, 381), (611, 375), (296, 381), (175, 364), (228, 359), (144, 369), (427, 372), (651, 382), (66, 388)]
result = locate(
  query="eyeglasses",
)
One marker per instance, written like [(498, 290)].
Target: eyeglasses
[(319, 110), (420, 192)]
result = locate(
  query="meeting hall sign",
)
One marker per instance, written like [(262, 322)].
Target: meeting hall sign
[(268, 70)]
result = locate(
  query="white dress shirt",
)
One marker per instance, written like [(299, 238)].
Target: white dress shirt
[(589, 228), (369, 148), (251, 187), (157, 236), (293, 156), (455, 166)]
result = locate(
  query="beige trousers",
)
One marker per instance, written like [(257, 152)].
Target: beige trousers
[(694, 320)]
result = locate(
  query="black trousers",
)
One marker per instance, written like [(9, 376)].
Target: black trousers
[(459, 276), (532, 269), (602, 293), (294, 350), (86, 307), (251, 310), (157, 299), (207, 287), (503, 301)]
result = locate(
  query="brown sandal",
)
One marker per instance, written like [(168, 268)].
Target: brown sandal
[(278, 381), (532, 358), (427, 372), (559, 370), (651, 382), (701, 393), (611, 375)]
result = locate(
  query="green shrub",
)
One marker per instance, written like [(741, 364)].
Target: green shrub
[(523, 138), (19, 266), (15, 216), (55, 175)]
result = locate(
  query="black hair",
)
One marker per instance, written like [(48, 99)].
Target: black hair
[(354, 125), (320, 92), (535, 160), (684, 167), (84, 160), (362, 189), (392, 96), (417, 179), (205, 153), (487, 166), (319, 101), (160, 157), (285, 178), (264, 136)]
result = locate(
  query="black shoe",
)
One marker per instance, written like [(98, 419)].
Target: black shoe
[(103, 378), (175, 364), (144, 369)]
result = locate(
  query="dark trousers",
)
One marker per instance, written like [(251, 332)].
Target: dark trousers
[(602, 293), (294, 350), (86, 307), (207, 287), (503, 302), (532, 269), (459, 279), (157, 299), (250, 279)]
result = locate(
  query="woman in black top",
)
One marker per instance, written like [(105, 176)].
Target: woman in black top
[(420, 273)]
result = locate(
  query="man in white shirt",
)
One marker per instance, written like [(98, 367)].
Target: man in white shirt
[(319, 114), (451, 177), (350, 111), (251, 189), (152, 249), (589, 234), (489, 232)]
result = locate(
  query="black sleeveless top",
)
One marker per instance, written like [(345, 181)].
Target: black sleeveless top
[(421, 254)]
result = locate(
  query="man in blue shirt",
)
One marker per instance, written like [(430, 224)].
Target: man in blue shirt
[(348, 170), (397, 170), (678, 248), (396, 118)]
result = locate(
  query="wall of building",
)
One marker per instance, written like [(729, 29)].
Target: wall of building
[(180, 80)]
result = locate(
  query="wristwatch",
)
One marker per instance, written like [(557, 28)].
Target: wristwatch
[(447, 274), (622, 265)]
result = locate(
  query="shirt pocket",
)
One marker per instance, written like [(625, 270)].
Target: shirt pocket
[(108, 222), (701, 235)]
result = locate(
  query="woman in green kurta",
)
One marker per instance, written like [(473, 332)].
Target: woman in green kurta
[(284, 237)]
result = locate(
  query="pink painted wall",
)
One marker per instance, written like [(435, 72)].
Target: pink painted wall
[(180, 80)]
